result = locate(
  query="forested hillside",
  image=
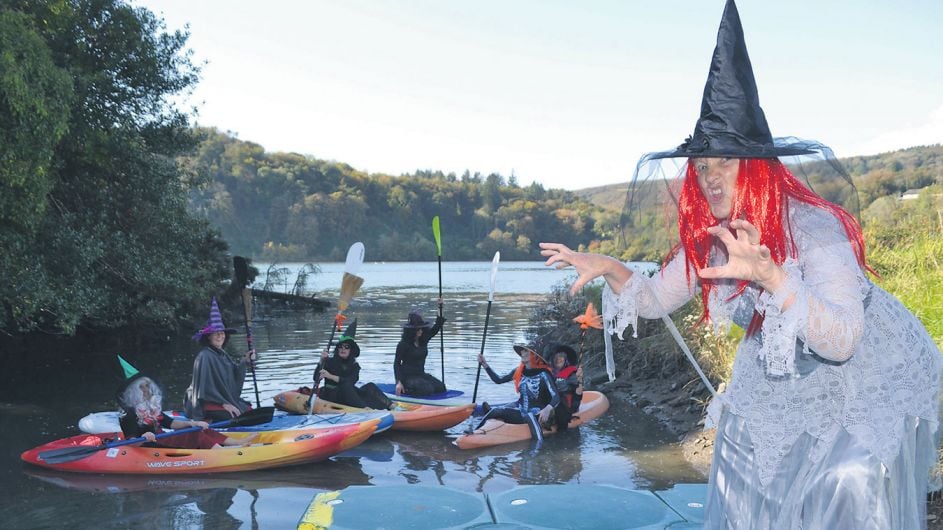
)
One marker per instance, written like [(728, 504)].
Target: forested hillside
[(286, 206)]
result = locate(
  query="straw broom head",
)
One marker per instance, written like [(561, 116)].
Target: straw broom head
[(349, 286)]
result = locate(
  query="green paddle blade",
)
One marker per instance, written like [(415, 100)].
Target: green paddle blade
[(437, 234)]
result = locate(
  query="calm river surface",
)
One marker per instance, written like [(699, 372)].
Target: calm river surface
[(52, 390)]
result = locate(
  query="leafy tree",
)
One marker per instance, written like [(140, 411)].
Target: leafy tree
[(111, 241)]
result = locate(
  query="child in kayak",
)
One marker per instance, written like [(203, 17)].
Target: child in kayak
[(341, 373), (538, 394), (409, 365), (142, 415), (568, 380)]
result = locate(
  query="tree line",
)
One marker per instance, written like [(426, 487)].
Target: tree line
[(288, 206), (116, 213)]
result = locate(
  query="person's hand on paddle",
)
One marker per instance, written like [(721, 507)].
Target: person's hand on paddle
[(400, 390), (328, 375), (148, 437), (482, 361), (251, 357), (231, 409), (324, 354), (588, 266)]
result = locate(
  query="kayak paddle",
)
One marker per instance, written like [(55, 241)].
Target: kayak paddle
[(349, 285), (245, 292), (494, 274), (71, 454), (438, 246)]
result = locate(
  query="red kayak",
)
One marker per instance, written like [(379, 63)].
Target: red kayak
[(272, 449)]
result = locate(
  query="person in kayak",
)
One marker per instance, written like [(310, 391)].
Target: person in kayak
[(409, 364), (568, 380), (141, 415), (538, 396), (215, 391), (341, 373)]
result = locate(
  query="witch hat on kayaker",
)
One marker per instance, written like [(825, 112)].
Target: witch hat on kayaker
[(213, 324), (129, 370), (132, 377), (348, 337)]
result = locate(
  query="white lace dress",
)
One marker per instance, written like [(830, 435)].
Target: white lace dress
[(830, 416)]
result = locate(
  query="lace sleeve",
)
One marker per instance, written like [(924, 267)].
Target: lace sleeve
[(829, 288), (648, 297)]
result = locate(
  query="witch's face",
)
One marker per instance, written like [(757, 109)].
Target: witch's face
[(145, 387), (343, 350), (217, 339), (717, 178)]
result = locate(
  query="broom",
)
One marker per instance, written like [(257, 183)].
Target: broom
[(350, 283)]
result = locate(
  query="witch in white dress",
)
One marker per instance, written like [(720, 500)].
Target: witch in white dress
[(830, 417)]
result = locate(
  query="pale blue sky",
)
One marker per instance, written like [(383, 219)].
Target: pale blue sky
[(565, 93)]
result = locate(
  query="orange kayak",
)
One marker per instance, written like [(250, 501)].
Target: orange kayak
[(497, 432), (406, 416), (271, 449)]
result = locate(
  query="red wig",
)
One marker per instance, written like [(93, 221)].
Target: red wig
[(763, 187)]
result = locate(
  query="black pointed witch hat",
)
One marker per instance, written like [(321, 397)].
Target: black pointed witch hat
[(732, 123), (348, 337)]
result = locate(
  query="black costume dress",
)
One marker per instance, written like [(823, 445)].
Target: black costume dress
[(409, 365), (345, 391)]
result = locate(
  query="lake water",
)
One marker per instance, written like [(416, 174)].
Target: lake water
[(53, 389)]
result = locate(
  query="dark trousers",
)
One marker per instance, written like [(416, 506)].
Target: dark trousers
[(422, 385), (369, 395)]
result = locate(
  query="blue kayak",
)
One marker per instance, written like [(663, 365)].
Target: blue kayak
[(448, 398), (106, 422)]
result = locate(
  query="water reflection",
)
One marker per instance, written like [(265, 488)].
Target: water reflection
[(41, 400)]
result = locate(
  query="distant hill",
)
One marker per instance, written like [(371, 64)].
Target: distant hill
[(875, 176), (293, 207), (610, 196)]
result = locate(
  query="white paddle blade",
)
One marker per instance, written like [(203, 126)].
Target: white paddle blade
[(494, 274), (354, 258)]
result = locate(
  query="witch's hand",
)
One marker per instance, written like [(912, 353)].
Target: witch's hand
[(588, 266), (747, 258)]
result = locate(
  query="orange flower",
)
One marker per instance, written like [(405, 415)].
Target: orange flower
[(589, 319)]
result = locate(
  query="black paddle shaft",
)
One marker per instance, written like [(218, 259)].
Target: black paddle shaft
[(483, 336), (241, 267), (255, 383), (441, 331)]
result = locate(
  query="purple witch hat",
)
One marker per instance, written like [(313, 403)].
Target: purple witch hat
[(214, 324)]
